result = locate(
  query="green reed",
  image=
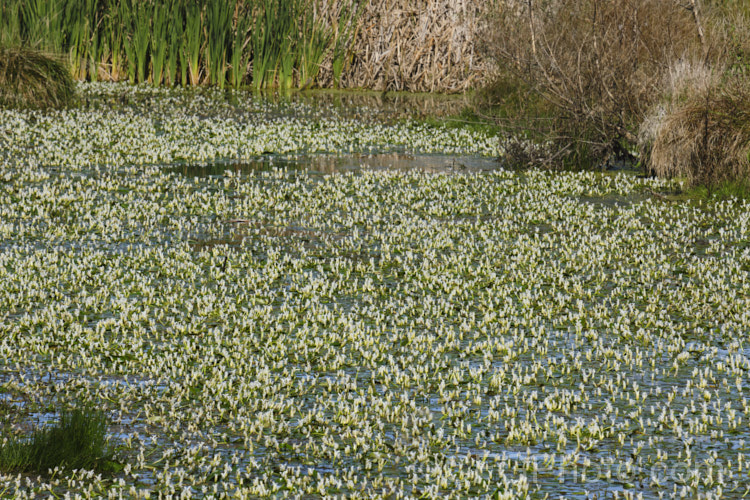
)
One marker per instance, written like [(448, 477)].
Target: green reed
[(263, 43), (274, 43), (193, 42), (113, 39), (218, 38), (240, 57), (313, 43), (82, 20), (176, 31), (10, 21), (159, 41), (43, 24), (141, 35)]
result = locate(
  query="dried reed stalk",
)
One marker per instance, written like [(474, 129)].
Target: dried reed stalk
[(413, 45)]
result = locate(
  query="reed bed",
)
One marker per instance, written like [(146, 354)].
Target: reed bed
[(427, 45)]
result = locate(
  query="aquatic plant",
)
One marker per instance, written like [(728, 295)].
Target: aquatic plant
[(376, 332), (219, 15), (142, 16), (160, 40), (10, 20), (42, 23), (193, 42), (273, 43), (240, 54), (342, 48)]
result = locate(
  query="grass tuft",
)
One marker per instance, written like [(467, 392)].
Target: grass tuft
[(702, 133), (77, 441), (33, 79)]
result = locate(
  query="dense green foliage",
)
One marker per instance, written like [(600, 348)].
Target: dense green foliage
[(77, 441), (181, 41)]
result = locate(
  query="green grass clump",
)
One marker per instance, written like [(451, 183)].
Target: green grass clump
[(32, 79), (77, 441)]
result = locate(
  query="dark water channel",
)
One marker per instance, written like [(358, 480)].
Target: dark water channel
[(331, 164)]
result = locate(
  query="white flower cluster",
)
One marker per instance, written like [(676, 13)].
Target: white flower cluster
[(371, 335)]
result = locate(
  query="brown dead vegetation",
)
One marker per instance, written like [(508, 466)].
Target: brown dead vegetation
[(415, 45), (699, 128)]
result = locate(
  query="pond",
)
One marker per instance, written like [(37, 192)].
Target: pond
[(290, 299)]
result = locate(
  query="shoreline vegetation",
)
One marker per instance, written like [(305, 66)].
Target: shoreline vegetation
[(565, 84), (385, 45)]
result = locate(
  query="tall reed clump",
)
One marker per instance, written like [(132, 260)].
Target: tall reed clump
[(77, 441), (192, 43), (195, 42), (44, 23), (32, 79), (219, 15), (274, 39)]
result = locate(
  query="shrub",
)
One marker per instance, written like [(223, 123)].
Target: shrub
[(76, 442), (597, 63), (30, 78)]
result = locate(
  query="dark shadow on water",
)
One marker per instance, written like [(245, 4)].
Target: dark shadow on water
[(330, 164)]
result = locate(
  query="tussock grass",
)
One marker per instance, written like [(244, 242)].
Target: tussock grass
[(33, 79), (702, 133), (77, 441), (699, 129)]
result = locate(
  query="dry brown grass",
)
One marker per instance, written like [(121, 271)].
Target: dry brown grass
[(415, 45), (699, 128)]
